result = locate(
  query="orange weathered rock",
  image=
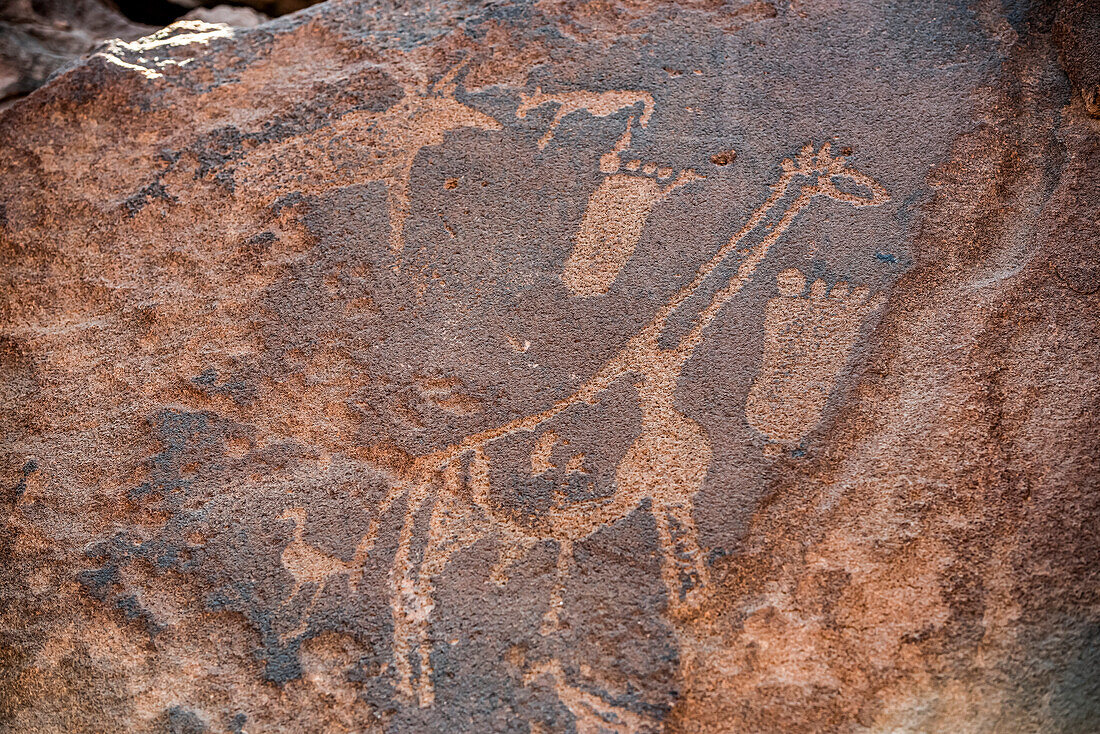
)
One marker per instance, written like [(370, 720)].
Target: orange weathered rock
[(549, 367)]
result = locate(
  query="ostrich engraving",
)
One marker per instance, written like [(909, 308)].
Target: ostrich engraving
[(308, 565)]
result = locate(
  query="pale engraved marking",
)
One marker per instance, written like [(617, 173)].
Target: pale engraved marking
[(597, 104), (540, 456), (807, 341), (364, 146), (591, 713), (620, 206), (615, 218), (667, 462), (308, 565)]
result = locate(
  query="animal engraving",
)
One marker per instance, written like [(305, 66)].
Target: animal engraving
[(666, 463), (392, 138), (418, 121), (615, 218), (807, 341), (308, 565), (540, 457), (597, 104)]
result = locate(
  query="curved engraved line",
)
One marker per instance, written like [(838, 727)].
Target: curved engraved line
[(820, 166)]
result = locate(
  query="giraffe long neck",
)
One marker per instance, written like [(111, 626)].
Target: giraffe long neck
[(707, 271), (643, 347)]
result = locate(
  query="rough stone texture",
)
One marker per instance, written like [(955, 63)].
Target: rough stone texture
[(357, 375), (38, 37), (273, 7), (230, 15)]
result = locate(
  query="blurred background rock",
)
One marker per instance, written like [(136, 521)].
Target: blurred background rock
[(38, 37)]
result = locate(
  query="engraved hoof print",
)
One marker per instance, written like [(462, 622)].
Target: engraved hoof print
[(808, 338)]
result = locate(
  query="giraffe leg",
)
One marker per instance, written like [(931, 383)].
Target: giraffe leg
[(292, 595), (406, 603), (397, 200), (551, 620)]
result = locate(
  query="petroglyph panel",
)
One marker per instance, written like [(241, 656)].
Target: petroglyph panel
[(664, 466), (555, 367)]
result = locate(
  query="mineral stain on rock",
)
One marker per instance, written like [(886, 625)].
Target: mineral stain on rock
[(569, 366)]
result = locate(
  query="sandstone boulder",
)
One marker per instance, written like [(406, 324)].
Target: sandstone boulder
[(38, 38), (559, 366)]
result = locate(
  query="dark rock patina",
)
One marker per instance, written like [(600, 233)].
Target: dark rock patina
[(557, 366)]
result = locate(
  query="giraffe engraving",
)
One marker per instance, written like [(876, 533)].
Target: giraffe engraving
[(666, 463)]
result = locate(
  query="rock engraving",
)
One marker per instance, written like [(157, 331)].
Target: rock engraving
[(807, 341), (591, 713), (309, 566), (666, 463), (615, 218), (394, 138), (597, 104)]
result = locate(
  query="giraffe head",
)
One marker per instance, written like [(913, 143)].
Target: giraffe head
[(823, 172)]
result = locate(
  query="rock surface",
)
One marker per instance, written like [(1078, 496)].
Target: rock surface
[(230, 15), (557, 366), (38, 38)]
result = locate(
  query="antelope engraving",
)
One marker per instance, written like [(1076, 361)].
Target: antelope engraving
[(597, 104), (392, 140), (418, 121)]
